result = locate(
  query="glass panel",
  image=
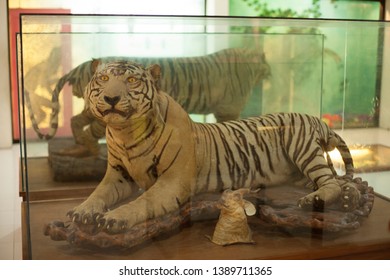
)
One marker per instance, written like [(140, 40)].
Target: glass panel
[(152, 7), (146, 7), (350, 89), (241, 67)]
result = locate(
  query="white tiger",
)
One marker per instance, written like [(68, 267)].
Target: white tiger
[(154, 145)]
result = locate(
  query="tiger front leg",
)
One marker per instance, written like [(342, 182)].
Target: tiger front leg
[(113, 188), (160, 199)]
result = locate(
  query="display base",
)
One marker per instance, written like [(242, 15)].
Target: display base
[(50, 200), (370, 241), (68, 165), (277, 206), (42, 186), (272, 240)]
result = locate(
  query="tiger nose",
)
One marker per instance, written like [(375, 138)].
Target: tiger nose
[(112, 100)]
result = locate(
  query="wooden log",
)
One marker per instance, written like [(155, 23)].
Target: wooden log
[(271, 212)]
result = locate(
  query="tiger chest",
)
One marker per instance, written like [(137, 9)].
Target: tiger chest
[(148, 167), (143, 170)]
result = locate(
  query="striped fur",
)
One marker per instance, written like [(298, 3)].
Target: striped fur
[(41, 76), (218, 83), (153, 145)]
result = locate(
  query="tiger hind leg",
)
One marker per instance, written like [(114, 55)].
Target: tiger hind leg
[(324, 195), (328, 188), (87, 131), (350, 195), (345, 195)]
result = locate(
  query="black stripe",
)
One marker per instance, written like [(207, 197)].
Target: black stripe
[(322, 176), (229, 156), (172, 162), (220, 184), (310, 158)]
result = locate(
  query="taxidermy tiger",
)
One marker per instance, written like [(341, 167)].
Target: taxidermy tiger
[(218, 83), (41, 76), (154, 145)]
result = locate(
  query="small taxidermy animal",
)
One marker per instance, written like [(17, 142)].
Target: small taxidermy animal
[(232, 226)]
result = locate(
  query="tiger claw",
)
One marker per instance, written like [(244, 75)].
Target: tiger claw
[(74, 218), (350, 198), (122, 225), (101, 223), (110, 224), (96, 217)]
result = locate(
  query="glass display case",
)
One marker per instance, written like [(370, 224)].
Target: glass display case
[(218, 69)]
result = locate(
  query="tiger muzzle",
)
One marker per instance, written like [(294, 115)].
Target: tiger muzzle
[(112, 100)]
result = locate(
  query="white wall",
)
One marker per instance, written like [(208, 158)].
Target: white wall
[(5, 102), (217, 7)]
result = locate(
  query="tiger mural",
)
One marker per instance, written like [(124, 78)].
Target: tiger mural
[(218, 83), (153, 145)]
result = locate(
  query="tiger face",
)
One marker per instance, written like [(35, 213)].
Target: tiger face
[(122, 91)]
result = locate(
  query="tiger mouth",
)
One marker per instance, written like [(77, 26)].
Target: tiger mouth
[(113, 111)]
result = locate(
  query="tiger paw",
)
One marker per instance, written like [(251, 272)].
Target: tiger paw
[(320, 198), (350, 197), (122, 218), (88, 212), (112, 225), (115, 222), (312, 202)]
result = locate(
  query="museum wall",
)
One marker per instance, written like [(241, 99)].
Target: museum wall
[(212, 9), (5, 102)]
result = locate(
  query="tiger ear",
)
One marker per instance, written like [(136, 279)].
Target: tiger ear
[(155, 70), (94, 65)]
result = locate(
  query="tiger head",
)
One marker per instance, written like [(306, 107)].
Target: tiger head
[(121, 91)]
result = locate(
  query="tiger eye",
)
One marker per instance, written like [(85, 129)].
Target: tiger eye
[(104, 78), (132, 80)]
